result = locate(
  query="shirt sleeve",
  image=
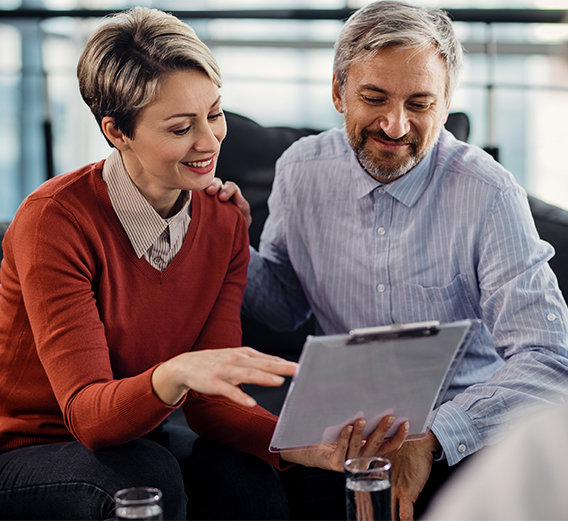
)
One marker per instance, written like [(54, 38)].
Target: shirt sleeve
[(274, 294), (526, 316)]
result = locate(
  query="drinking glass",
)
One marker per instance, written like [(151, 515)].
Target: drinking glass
[(138, 504), (368, 489)]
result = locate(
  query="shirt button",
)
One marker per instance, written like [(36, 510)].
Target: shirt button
[(461, 448), (380, 288), (381, 190), (551, 317), (381, 230)]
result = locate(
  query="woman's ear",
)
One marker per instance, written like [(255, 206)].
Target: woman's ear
[(113, 134)]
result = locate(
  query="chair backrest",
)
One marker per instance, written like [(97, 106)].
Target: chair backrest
[(3, 228), (250, 151), (552, 225)]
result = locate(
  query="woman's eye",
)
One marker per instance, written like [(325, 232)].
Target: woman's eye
[(215, 117), (182, 131)]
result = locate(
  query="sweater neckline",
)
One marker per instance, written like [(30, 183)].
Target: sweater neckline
[(140, 262)]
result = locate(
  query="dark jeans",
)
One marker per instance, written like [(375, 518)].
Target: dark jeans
[(68, 481)]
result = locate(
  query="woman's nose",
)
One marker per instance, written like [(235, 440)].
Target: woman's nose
[(206, 138)]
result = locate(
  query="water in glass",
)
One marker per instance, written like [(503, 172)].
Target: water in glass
[(368, 499)]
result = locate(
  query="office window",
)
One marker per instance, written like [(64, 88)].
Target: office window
[(278, 72)]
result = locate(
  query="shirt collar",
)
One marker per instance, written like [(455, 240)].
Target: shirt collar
[(407, 189), (142, 224)]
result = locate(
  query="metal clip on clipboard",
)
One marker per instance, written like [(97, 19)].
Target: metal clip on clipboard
[(382, 333)]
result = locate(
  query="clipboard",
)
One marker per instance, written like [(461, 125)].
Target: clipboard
[(402, 369)]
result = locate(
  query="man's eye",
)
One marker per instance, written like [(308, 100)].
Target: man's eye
[(181, 132), (374, 101), (419, 107)]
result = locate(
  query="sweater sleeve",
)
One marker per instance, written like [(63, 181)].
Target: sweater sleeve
[(217, 418), (57, 272)]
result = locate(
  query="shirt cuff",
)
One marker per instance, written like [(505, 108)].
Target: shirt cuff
[(456, 433)]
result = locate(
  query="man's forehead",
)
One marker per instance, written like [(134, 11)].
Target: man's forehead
[(420, 72)]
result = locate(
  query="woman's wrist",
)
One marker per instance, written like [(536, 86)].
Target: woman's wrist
[(166, 386)]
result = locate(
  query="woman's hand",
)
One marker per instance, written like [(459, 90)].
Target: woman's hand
[(219, 372), (229, 191), (350, 444)]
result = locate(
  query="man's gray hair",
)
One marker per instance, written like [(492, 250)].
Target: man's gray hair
[(389, 23)]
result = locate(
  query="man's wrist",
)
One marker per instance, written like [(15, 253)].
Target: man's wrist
[(437, 450)]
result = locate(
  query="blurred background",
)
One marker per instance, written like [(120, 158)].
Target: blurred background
[(276, 61)]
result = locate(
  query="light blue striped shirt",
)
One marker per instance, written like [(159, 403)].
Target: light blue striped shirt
[(452, 239)]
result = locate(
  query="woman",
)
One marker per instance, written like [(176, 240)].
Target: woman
[(119, 303)]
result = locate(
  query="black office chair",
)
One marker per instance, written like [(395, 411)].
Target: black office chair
[(3, 228)]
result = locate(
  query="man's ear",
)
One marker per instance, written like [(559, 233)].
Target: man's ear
[(113, 134), (447, 112), (336, 94)]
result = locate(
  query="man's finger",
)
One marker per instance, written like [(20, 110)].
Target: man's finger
[(340, 452), (405, 510), (397, 440), (394, 504), (214, 187), (355, 440), (375, 441)]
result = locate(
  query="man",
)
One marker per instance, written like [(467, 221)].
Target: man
[(392, 220)]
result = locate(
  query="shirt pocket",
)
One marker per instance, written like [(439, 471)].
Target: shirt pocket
[(414, 302)]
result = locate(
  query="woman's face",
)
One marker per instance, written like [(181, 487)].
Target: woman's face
[(176, 139)]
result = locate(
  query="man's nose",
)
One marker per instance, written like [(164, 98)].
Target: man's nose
[(395, 123)]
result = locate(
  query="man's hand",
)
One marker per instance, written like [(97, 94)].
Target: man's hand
[(229, 191), (411, 466), (350, 444)]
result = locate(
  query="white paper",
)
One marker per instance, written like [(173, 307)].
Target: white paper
[(338, 382)]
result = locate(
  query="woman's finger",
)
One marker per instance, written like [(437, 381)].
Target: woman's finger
[(235, 394), (237, 375)]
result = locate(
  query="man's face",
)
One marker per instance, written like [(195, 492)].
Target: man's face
[(394, 106)]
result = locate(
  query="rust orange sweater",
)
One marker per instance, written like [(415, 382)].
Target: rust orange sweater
[(83, 321)]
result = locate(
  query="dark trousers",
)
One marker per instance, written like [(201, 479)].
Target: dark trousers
[(199, 479), (68, 481), (208, 481)]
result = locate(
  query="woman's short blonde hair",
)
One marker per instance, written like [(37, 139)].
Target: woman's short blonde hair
[(120, 69)]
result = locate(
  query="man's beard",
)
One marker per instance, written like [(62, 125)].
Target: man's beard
[(379, 168)]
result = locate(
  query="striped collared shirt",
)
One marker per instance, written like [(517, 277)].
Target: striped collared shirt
[(151, 236), (450, 240)]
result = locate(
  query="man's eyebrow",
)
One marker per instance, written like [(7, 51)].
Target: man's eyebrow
[(374, 88), (192, 114)]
